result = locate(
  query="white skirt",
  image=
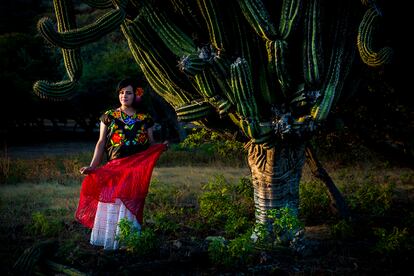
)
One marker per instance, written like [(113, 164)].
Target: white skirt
[(105, 228)]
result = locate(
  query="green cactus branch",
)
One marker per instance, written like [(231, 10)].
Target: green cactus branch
[(139, 32), (75, 38), (365, 42), (66, 21), (99, 4), (210, 9), (155, 66), (242, 87), (54, 91), (258, 17), (289, 17), (174, 38), (277, 63), (312, 48), (341, 60), (71, 58), (157, 78)]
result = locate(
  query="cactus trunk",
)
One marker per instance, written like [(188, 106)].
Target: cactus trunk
[(276, 173)]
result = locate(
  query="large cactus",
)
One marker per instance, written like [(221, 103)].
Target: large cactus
[(272, 69)]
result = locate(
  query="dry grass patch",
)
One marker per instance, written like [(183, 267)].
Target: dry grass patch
[(195, 177)]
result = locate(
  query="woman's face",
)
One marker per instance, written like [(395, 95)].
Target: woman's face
[(126, 96)]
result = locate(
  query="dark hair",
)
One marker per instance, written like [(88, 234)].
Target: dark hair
[(135, 83), (125, 82)]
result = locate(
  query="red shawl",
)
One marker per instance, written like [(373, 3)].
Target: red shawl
[(125, 178)]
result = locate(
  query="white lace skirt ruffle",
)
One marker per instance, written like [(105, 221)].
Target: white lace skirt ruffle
[(105, 228)]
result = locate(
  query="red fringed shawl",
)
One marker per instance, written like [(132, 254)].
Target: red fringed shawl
[(125, 178)]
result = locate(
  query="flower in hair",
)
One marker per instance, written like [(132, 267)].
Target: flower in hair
[(139, 91)]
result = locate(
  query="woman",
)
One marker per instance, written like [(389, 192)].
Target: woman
[(118, 189)]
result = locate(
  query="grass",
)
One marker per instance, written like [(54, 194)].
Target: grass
[(38, 198)]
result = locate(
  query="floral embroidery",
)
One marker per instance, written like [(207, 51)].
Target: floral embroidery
[(141, 138), (127, 130), (117, 138), (114, 113), (130, 120)]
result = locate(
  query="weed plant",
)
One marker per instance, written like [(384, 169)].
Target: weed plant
[(222, 207), (392, 242), (141, 243)]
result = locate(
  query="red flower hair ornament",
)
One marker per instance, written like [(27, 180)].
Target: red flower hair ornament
[(138, 94)]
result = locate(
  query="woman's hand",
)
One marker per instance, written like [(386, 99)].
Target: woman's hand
[(166, 143), (86, 170)]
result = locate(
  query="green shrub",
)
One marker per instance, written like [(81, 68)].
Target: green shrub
[(236, 252), (314, 201), (285, 224), (217, 250), (165, 222), (142, 243), (214, 145), (370, 198), (391, 242), (342, 230), (46, 226), (223, 208)]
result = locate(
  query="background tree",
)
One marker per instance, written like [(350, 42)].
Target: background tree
[(262, 71)]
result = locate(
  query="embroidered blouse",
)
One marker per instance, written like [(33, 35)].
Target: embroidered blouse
[(126, 134)]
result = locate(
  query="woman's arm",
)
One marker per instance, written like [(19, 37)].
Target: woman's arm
[(99, 151)]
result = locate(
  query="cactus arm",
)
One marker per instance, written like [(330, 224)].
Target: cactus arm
[(258, 17), (209, 12), (154, 68), (71, 58), (242, 87), (156, 83), (158, 58), (312, 49), (192, 64), (289, 17), (75, 38), (340, 62), (208, 88), (99, 4), (55, 91), (365, 45), (173, 37), (66, 21)]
